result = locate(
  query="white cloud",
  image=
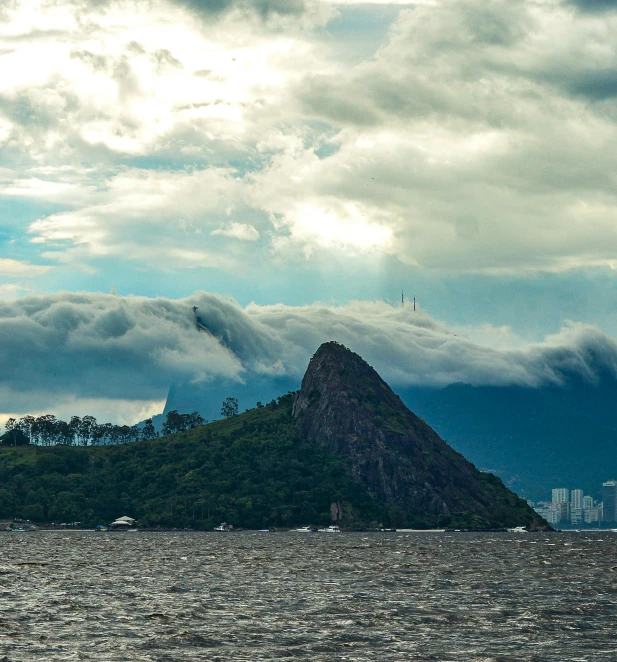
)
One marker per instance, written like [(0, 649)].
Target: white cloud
[(480, 137), (241, 231), (21, 269)]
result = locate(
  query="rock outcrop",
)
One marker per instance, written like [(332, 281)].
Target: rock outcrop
[(345, 405)]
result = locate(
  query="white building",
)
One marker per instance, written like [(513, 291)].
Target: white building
[(587, 503), (576, 499), (561, 495)]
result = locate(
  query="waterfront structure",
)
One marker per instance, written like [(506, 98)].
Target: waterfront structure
[(609, 499), (574, 507)]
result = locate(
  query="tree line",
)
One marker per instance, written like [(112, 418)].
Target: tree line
[(47, 430)]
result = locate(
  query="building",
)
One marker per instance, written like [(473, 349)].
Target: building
[(561, 495), (609, 500), (587, 503), (591, 516), (576, 499), (576, 515)]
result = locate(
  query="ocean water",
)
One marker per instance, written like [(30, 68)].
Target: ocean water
[(249, 596)]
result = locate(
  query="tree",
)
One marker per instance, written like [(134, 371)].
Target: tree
[(75, 425), (194, 420), (14, 435), (230, 407), (149, 431), (11, 427), (26, 424), (45, 429), (86, 429), (173, 422)]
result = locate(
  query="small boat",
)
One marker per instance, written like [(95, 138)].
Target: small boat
[(331, 529), (18, 529), (222, 528), (517, 529), (304, 529)]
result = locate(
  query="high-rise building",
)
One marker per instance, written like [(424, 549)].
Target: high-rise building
[(609, 500), (576, 499), (561, 495), (591, 515), (587, 503), (576, 515)]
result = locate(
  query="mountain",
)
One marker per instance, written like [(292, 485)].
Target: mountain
[(534, 439), (343, 448), (344, 405)]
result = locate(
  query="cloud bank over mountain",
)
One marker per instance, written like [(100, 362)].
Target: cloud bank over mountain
[(105, 347)]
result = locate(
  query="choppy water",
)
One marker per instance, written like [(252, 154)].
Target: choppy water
[(248, 596)]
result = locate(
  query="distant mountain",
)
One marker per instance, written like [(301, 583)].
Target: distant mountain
[(534, 439), (343, 448)]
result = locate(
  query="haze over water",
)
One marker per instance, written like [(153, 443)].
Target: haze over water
[(247, 596)]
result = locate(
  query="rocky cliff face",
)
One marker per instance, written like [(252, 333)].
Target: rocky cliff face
[(345, 405)]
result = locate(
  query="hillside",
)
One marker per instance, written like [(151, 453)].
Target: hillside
[(533, 438), (293, 461)]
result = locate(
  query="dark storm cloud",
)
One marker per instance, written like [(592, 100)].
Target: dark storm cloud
[(103, 346), (264, 8), (597, 85), (211, 8), (594, 5)]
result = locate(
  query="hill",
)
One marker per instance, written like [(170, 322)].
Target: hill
[(345, 447), (533, 438)]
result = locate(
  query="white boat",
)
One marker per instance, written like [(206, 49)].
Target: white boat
[(304, 529), (517, 529), (224, 528), (331, 529)]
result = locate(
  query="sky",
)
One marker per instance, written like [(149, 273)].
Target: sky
[(291, 166)]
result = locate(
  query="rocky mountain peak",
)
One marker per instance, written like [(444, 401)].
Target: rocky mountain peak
[(345, 405)]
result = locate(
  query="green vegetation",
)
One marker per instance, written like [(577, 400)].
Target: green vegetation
[(252, 470), (47, 430)]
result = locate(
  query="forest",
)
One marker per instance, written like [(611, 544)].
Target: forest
[(251, 470)]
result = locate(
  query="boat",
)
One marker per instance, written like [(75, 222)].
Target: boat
[(333, 528), (304, 529), (517, 529), (222, 528)]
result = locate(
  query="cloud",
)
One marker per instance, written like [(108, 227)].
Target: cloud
[(237, 231), (97, 347), (594, 5), (480, 136), (470, 111), (21, 269), (263, 8)]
